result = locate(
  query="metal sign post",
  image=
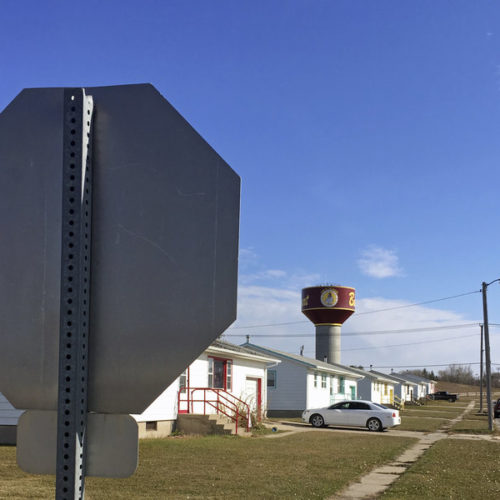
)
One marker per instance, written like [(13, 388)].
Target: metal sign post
[(161, 223), (75, 294)]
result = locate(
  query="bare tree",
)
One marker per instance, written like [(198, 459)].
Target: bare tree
[(460, 374)]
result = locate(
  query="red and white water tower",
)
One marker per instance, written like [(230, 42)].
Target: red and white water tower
[(328, 307)]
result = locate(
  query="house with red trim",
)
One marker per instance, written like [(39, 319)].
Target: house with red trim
[(225, 379)]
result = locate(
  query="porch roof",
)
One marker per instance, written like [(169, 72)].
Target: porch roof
[(222, 347)]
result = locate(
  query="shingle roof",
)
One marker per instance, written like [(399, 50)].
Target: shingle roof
[(373, 375), (414, 378), (311, 362), (222, 344), (394, 376)]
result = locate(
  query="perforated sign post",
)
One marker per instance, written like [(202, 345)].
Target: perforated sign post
[(118, 267)]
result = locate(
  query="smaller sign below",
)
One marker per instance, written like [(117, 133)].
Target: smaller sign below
[(112, 443)]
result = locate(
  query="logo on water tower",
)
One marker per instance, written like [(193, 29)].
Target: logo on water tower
[(329, 297)]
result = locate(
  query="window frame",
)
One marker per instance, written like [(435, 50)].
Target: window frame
[(227, 374), (274, 380)]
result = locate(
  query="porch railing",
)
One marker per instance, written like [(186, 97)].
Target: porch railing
[(398, 402), (223, 402)]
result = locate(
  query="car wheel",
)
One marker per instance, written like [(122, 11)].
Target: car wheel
[(374, 425), (317, 420)]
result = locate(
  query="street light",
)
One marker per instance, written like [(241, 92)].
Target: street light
[(484, 287)]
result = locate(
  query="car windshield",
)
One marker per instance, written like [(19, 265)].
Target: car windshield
[(380, 406)]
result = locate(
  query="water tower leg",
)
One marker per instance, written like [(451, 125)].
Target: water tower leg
[(328, 343)]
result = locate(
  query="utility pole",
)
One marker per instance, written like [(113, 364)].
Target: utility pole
[(487, 352), (481, 373)]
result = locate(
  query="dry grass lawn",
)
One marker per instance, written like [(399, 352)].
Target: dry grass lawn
[(454, 469), (302, 465)]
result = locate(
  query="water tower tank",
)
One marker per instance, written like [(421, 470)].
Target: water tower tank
[(328, 307)]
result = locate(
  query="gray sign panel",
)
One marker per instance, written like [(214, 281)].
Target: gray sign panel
[(112, 444), (164, 247)]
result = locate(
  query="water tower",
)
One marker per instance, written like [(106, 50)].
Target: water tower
[(328, 307)]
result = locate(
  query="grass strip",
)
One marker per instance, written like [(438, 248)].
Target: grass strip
[(303, 465), (451, 469), (421, 424), (427, 414), (472, 426)]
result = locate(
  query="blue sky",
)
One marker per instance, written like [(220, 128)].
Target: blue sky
[(366, 135)]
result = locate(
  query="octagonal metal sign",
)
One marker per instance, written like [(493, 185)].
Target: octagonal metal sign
[(164, 247)]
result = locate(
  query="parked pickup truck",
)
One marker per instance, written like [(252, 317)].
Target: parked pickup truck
[(444, 395)]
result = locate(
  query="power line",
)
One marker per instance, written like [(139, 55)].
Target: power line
[(350, 334), (359, 313), (421, 303), (409, 343), (430, 366)]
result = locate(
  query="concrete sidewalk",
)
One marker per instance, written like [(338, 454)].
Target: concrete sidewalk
[(375, 482)]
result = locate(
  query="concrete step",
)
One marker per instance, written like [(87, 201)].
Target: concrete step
[(207, 424)]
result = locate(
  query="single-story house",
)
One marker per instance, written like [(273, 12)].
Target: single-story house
[(421, 385), (8, 421), (224, 378), (375, 387), (299, 383), (403, 389), (429, 385)]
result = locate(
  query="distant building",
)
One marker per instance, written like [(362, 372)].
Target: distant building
[(299, 382), (375, 387), (403, 389), (424, 385)]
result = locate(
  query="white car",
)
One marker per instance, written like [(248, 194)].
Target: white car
[(358, 413)]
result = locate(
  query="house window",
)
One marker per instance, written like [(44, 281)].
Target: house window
[(332, 380), (183, 381), (342, 385), (271, 378), (385, 389), (151, 426), (229, 375), (315, 379), (220, 373), (323, 380)]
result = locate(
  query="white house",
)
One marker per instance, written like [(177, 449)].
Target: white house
[(403, 389), (8, 421), (298, 383), (375, 387), (225, 378), (423, 385)]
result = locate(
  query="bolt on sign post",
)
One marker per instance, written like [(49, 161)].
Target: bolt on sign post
[(118, 267)]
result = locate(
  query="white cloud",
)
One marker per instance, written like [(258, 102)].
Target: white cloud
[(379, 262), (263, 305)]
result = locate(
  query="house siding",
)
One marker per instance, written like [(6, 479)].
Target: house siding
[(163, 411), (289, 397), (8, 414), (319, 396), (373, 390)]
